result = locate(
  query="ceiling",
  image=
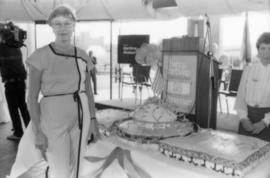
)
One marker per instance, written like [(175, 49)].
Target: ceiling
[(25, 10)]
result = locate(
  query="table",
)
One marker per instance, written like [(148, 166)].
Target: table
[(154, 164), (137, 160)]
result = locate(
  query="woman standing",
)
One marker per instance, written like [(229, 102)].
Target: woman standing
[(64, 118), (253, 97)]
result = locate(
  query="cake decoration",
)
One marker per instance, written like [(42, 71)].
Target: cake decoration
[(151, 122), (204, 149)]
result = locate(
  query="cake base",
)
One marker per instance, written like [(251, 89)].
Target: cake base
[(149, 132)]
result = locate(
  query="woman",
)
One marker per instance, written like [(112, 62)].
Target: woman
[(65, 117), (253, 97)]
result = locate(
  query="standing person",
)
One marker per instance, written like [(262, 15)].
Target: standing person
[(65, 117), (253, 97), (13, 76), (93, 72)]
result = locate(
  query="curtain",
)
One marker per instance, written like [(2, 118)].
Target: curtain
[(246, 46)]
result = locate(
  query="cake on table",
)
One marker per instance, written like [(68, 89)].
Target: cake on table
[(224, 152), (153, 113), (154, 125), (151, 122)]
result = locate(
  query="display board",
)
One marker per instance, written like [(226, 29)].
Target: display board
[(180, 76), (188, 85), (127, 46), (190, 79)]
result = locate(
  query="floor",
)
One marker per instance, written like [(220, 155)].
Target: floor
[(225, 121)]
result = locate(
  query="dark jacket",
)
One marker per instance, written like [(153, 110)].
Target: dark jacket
[(11, 64)]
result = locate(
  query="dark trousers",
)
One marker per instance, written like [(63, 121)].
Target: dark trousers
[(94, 79), (15, 96), (256, 115)]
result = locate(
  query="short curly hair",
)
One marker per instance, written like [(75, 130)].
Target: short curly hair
[(62, 10), (264, 38)]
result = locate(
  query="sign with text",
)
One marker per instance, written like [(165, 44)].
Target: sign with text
[(180, 77), (127, 46)]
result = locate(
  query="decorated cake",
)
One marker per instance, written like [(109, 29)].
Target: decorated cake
[(224, 152), (150, 123), (153, 113), (154, 126)]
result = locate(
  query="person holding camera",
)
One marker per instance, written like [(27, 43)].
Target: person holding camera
[(13, 76)]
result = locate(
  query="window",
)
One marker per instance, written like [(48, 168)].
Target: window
[(232, 27), (231, 32)]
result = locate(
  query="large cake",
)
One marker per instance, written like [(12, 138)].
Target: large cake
[(224, 152), (153, 113), (150, 123), (153, 126)]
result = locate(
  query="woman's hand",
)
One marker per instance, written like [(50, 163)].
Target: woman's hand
[(258, 127), (93, 134), (41, 143), (247, 125)]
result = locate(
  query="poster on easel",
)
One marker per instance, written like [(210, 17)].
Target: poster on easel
[(127, 46), (179, 71)]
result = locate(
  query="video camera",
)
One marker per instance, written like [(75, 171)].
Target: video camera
[(11, 35)]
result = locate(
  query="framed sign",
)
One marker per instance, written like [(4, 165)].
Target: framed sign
[(179, 71), (127, 46), (189, 83)]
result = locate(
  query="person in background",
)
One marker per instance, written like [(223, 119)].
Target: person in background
[(93, 72), (13, 76), (64, 119), (226, 68), (253, 97)]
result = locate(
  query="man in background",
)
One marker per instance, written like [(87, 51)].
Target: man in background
[(13, 76), (94, 71)]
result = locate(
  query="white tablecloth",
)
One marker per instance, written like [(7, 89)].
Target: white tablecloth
[(126, 160), (147, 159), (159, 166)]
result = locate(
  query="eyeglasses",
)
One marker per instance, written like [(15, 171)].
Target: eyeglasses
[(58, 25)]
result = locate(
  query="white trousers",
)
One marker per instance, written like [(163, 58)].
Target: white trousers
[(59, 122)]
